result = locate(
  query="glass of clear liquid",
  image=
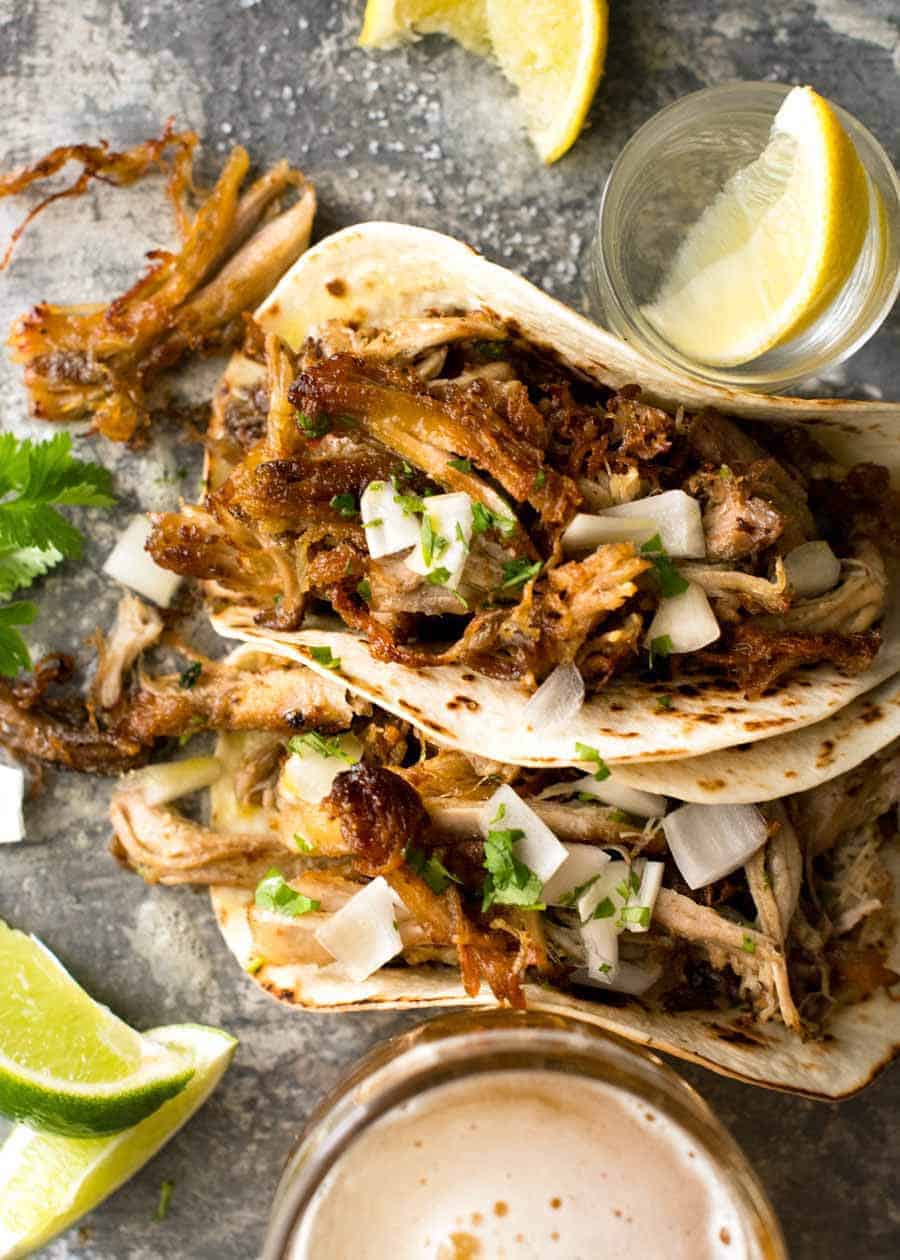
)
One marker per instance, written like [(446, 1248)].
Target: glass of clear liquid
[(668, 174), (494, 1133)]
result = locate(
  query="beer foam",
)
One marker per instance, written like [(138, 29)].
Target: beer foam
[(523, 1164)]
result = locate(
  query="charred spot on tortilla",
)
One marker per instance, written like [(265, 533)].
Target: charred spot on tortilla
[(764, 724), (337, 287), (738, 1036), (711, 785), (873, 713)]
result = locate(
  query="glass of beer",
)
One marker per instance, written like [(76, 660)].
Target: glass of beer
[(491, 1133)]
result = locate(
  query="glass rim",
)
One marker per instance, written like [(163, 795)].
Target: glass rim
[(616, 304), (475, 1042)]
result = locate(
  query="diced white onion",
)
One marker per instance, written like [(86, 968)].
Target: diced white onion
[(539, 848), (628, 977), (812, 568), (601, 946), (363, 934), (614, 875), (451, 521), (308, 775), (674, 515), (12, 794), (587, 532), (583, 862), (611, 792), (708, 842), (396, 529), (687, 619), (557, 700), (135, 568)]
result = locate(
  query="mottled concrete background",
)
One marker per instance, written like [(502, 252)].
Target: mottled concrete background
[(426, 135)]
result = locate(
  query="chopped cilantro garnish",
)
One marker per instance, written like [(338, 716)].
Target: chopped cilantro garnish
[(619, 816), (670, 580), (428, 866), (312, 426), (194, 727), (13, 652), (636, 914), (748, 945), (324, 745), (584, 752), (273, 892), (373, 524), (461, 465), (519, 571), (427, 537), (509, 881), (364, 590), (460, 536), (604, 909), (188, 677), (660, 648), (540, 479), (724, 471), (304, 845), (165, 1198), (490, 349), (438, 577), (278, 599), (569, 898), (411, 503), (322, 656), (483, 518), (345, 504), (664, 702)]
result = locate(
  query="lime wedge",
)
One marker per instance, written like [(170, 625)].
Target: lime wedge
[(67, 1064), (48, 1182)]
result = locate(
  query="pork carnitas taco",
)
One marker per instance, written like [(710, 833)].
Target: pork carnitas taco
[(494, 520), (353, 864)]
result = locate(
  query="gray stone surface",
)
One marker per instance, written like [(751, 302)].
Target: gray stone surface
[(426, 135)]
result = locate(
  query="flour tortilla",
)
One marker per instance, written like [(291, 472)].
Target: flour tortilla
[(377, 272)]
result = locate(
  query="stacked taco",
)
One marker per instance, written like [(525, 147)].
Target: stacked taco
[(582, 677)]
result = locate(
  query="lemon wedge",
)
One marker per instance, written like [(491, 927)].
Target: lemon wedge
[(553, 53), (773, 250), (388, 23)]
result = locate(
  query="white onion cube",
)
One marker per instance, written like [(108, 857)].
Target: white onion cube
[(450, 518), (708, 842), (133, 566), (389, 527), (583, 863), (538, 848), (362, 936), (687, 619), (601, 947), (587, 532), (812, 569), (557, 700), (676, 517), (12, 794)]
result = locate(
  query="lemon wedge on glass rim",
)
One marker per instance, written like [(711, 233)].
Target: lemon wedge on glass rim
[(776, 246), (551, 50)]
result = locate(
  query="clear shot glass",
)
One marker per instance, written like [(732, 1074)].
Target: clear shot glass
[(666, 176), (495, 1133)]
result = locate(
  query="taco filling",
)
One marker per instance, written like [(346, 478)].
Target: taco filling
[(455, 494), (357, 846)]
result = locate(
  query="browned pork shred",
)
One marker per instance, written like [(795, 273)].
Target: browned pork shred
[(531, 445)]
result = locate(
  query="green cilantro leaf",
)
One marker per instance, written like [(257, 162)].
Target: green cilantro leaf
[(438, 577), (670, 580), (519, 571), (509, 881), (35, 476), (748, 945), (584, 752), (540, 479), (660, 648), (364, 590), (461, 465), (664, 702), (13, 652), (324, 745), (322, 656), (19, 566), (636, 914), (490, 349), (273, 892), (304, 845), (569, 898), (411, 503), (604, 909), (345, 504), (483, 519), (312, 426), (188, 677), (430, 868)]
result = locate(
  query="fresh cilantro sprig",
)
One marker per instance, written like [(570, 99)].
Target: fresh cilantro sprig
[(670, 580), (509, 881), (273, 892), (430, 868), (37, 478), (584, 752), (519, 571), (324, 745)]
